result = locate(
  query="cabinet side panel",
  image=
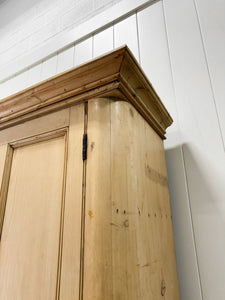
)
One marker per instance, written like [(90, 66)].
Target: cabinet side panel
[(69, 288), (125, 173), (140, 193), (129, 246), (158, 203)]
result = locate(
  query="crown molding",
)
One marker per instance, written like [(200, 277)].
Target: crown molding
[(114, 75)]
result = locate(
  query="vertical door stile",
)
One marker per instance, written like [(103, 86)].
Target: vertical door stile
[(82, 239), (73, 237)]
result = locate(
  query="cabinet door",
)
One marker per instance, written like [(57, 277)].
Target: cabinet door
[(40, 207)]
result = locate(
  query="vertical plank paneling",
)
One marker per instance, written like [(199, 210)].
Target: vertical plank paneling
[(154, 56), (49, 67), (103, 42), (65, 60), (34, 74), (20, 82), (212, 22), (83, 52), (5, 89), (155, 60), (14, 84), (202, 144), (126, 33)]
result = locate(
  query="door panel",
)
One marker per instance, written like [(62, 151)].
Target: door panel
[(41, 177), (29, 250), (52, 121)]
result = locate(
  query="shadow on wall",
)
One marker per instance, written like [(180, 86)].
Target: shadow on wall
[(202, 202)]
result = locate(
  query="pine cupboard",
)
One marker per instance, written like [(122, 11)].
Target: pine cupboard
[(84, 203)]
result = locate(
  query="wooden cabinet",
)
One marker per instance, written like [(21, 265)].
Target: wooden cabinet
[(88, 228)]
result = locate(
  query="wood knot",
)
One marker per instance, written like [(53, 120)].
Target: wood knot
[(90, 213), (92, 146), (163, 288), (126, 223)]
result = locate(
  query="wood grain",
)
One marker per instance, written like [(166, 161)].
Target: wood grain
[(105, 230), (3, 150), (117, 70), (64, 265), (4, 180), (69, 288), (98, 273), (30, 236), (129, 246), (50, 122)]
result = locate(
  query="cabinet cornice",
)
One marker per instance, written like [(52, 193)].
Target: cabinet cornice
[(114, 75)]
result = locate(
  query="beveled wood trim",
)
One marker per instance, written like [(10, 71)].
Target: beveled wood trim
[(35, 112), (117, 71), (39, 138), (30, 101), (5, 185), (133, 75), (141, 107), (62, 132)]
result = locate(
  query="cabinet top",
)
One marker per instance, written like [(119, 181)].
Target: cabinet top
[(114, 75)]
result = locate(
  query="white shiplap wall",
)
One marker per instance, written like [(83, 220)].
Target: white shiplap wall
[(180, 45)]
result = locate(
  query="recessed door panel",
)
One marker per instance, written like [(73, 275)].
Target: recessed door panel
[(30, 241)]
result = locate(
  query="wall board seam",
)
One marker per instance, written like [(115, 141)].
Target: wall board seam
[(192, 223), (138, 38), (208, 71), (114, 14), (182, 153)]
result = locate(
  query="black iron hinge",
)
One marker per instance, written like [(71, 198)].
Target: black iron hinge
[(84, 151)]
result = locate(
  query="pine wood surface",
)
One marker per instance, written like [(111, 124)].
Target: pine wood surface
[(98, 273), (40, 206), (5, 172), (70, 274), (106, 76), (129, 246), (36, 126), (30, 236), (3, 149), (94, 229)]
